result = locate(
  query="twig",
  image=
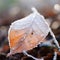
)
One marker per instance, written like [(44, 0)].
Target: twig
[(32, 56), (54, 39), (55, 56)]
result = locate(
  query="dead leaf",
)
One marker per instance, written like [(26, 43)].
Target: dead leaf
[(27, 33)]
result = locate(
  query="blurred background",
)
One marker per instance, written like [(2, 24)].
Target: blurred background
[(11, 10)]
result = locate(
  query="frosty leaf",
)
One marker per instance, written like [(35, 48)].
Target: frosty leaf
[(27, 33)]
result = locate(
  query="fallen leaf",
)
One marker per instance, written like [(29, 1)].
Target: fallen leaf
[(27, 33)]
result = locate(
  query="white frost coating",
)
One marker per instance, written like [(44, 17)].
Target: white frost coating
[(33, 19)]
